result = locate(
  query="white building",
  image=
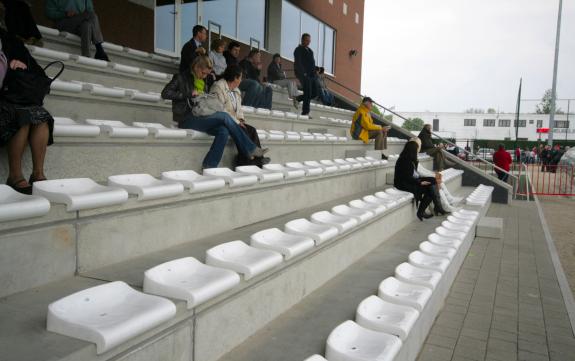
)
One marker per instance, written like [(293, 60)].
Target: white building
[(499, 126)]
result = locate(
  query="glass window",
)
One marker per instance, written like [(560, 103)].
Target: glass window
[(505, 123), (290, 29), (563, 124), (311, 26), (222, 12), (522, 123), (189, 18), (328, 49), (469, 122), (252, 20), (488, 122), (539, 123), (530, 121), (165, 26)]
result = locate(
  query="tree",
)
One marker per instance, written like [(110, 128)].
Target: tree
[(491, 111), (545, 106), (413, 124)]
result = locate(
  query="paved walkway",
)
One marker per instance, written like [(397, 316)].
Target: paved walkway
[(505, 303)]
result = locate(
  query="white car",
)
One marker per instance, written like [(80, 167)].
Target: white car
[(485, 153)]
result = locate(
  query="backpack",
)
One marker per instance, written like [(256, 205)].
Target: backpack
[(30, 86)]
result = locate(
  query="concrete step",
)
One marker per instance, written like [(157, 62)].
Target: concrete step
[(62, 243), (211, 330)]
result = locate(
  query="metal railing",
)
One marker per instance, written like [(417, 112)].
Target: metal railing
[(487, 164), (545, 179)]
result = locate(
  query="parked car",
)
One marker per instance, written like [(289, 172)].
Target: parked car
[(485, 153)]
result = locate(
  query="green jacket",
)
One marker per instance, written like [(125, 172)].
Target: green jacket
[(56, 9)]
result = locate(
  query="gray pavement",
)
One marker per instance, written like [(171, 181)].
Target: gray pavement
[(506, 303)]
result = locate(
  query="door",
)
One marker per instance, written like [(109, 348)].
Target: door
[(166, 37)]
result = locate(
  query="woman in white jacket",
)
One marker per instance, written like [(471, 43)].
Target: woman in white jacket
[(227, 91)]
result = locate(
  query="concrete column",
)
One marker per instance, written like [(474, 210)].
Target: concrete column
[(274, 31)]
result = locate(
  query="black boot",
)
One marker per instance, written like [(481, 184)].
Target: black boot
[(100, 53), (421, 214)]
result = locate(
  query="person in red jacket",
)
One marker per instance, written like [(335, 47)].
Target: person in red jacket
[(502, 159)]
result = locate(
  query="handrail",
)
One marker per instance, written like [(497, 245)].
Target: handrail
[(434, 134), (527, 180)]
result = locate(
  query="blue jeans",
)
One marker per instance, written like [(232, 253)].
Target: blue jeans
[(221, 126), (255, 94)]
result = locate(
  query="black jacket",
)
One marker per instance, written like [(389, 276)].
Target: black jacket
[(230, 59), (403, 176), (188, 55), (250, 71), (179, 91), (304, 62), (275, 72), (426, 142)]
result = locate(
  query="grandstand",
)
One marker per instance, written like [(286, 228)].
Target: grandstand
[(130, 252)]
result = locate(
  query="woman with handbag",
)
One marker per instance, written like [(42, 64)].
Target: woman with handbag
[(228, 93), (193, 109), (21, 122), (406, 178)]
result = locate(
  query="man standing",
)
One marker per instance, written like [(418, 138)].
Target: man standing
[(363, 128), (78, 17), (304, 64), (503, 160), (193, 47)]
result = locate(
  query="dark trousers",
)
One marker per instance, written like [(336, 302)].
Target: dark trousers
[(502, 176), (252, 134), (19, 20), (256, 95), (85, 25), (309, 87), (427, 194)]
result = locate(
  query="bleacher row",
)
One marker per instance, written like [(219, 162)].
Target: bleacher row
[(84, 193), (393, 325), (110, 314)]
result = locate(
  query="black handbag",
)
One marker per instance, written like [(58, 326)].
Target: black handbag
[(30, 86)]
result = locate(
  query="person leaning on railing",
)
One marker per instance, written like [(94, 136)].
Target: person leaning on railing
[(427, 146), (363, 128)]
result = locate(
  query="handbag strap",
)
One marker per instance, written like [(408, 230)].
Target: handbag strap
[(62, 66)]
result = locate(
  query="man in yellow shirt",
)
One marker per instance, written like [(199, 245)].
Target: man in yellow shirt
[(363, 128)]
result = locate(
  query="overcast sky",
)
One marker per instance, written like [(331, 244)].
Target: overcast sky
[(450, 55)]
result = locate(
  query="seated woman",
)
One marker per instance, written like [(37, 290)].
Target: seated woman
[(406, 178), (21, 23), (21, 125), (181, 90), (227, 91), (217, 57)]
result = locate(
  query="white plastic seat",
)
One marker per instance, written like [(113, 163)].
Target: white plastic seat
[(387, 203), (331, 163), (189, 280), (352, 342), (363, 160), (97, 63), (444, 241), (402, 293), (66, 86), (238, 256), (145, 186), (108, 315), (342, 162), (383, 316), (126, 68), (48, 31), (309, 171), (15, 205), (156, 74), (355, 161), (468, 212), (194, 134), (319, 137), (160, 131), (456, 226), (315, 358), (289, 173), (306, 137), (395, 191), (422, 260), (437, 250), (457, 220), (263, 134), (117, 129), (276, 135), (442, 231), (465, 216), (79, 193), (376, 209), (106, 92), (146, 97), (233, 179), (342, 223), (66, 127), (289, 245), (292, 136), (318, 232), (247, 109), (378, 162), (391, 197), (264, 176), (409, 273), (291, 115), (263, 111), (49, 53), (278, 113), (347, 211), (194, 181), (326, 168), (112, 46)]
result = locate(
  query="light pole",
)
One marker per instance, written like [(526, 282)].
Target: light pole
[(554, 88)]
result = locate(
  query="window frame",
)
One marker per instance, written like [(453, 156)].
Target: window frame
[(489, 123), (469, 122)]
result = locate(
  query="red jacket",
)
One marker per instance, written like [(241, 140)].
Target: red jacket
[(502, 159)]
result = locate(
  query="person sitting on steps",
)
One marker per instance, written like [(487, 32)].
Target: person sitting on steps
[(257, 95), (277, 75), (363, 128), (78, 17), (182, 89), (436, 152), (424, 189)]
